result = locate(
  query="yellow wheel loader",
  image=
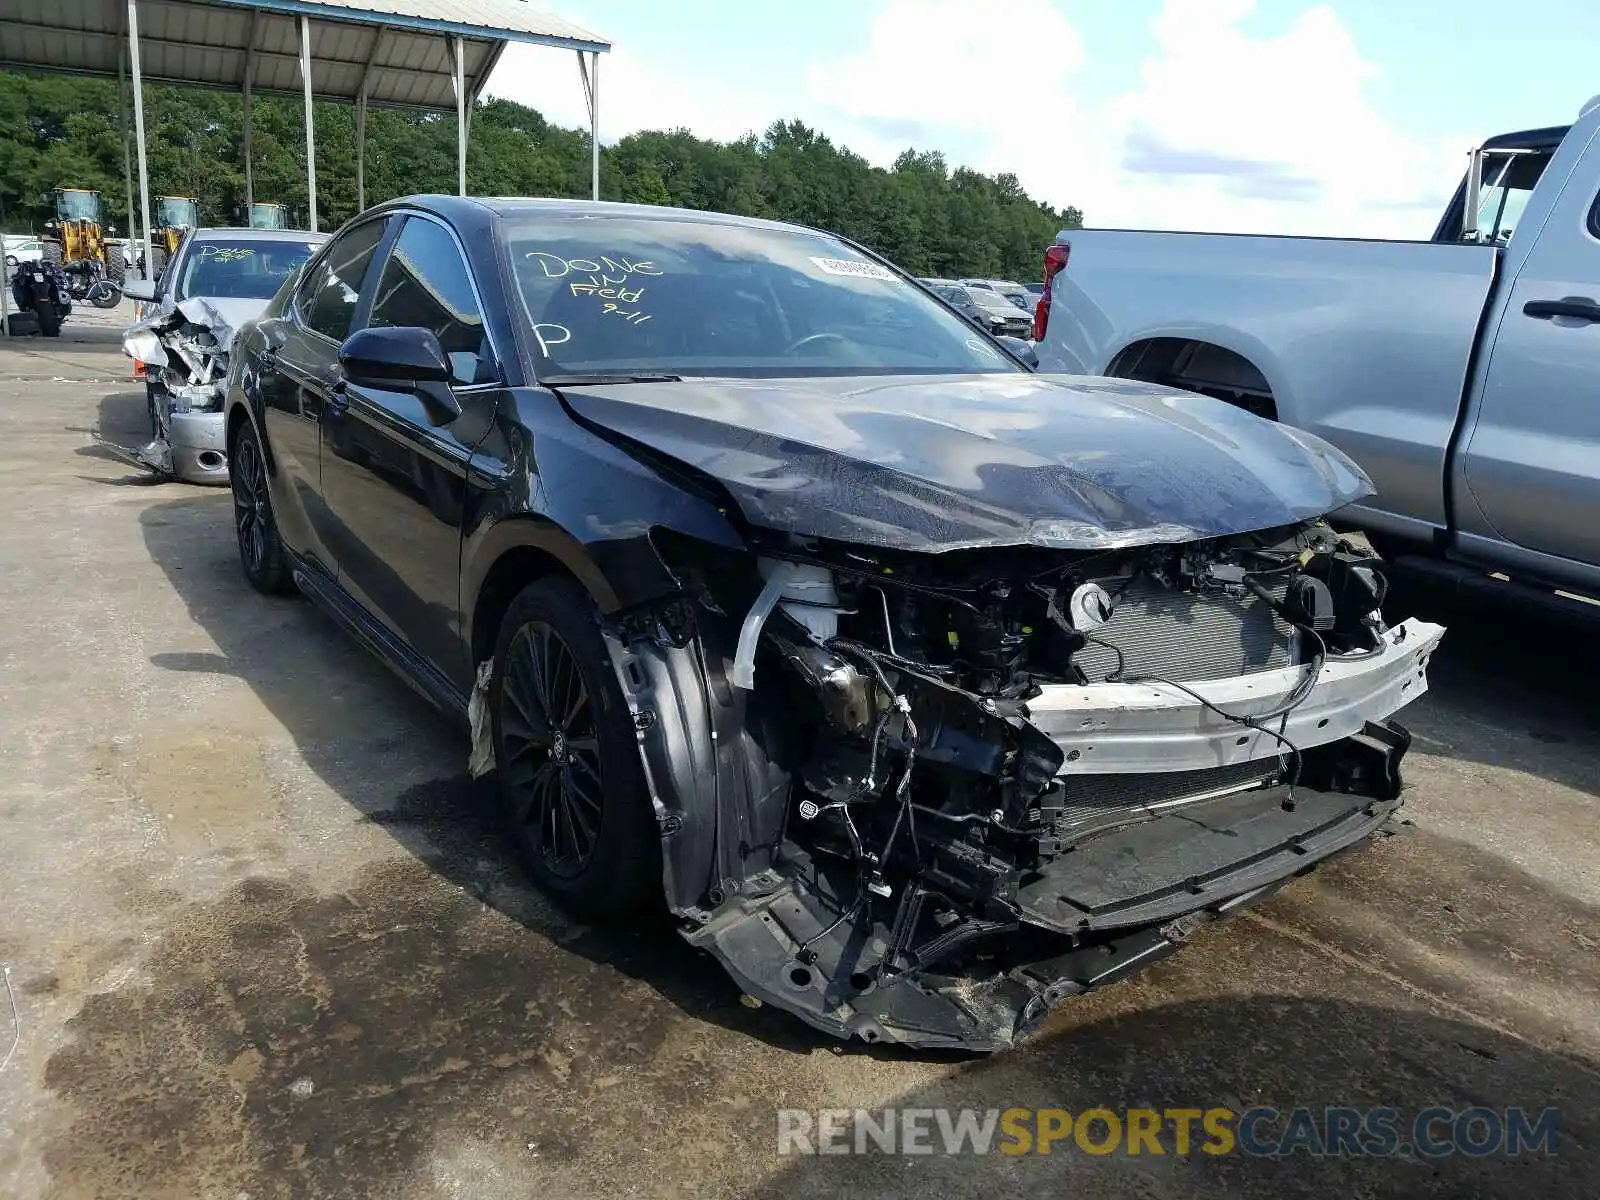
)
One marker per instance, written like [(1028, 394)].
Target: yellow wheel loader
[(75, 240)]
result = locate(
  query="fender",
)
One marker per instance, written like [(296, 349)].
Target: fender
[(1251, 349)]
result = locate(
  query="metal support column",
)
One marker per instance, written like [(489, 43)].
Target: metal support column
[(594, 122), (361, 118), (459, 79), (138, 135), (361, 150), (127, 154), (311, 122), (249, 172), (589, 70), (249, 81)]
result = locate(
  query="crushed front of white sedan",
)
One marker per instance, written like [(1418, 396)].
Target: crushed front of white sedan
[(184, 350)]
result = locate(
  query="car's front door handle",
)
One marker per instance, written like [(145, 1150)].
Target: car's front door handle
[(1580, 307)]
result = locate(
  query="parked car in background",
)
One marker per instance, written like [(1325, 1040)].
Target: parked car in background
[(217, 281), (911, 681), (960, 299), (993, 312), (1463, 374), (1008, 288), (21, 249)]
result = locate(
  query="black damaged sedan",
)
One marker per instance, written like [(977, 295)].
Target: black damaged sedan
[(926, 691)]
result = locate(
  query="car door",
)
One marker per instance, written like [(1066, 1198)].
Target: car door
[(299, 367), (395, 479), (1532, 462)]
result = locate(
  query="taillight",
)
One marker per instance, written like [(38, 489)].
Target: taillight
[(1055, 261)]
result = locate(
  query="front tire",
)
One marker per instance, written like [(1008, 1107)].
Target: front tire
[(569, 774), (261, 552)]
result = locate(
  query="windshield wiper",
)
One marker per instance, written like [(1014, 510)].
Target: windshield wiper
[(577, 377)]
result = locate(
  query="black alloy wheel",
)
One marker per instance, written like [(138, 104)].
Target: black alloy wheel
[(260, 550), (552, 757), (570, 779)]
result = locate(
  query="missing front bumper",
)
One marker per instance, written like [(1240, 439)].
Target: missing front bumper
[(1126, 899), (971, 950)]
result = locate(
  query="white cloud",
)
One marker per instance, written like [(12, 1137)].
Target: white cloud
[(634, 94), (1261, 134), (950, 63), (1217, 129)]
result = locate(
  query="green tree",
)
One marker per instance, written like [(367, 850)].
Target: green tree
[(64, 132)]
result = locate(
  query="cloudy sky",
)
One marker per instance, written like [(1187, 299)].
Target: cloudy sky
[(1268, 116)]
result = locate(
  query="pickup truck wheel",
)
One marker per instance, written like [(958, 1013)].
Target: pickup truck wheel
[(261, 552), (568, 764)]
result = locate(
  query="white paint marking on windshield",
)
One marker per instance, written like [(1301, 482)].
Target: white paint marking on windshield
[(545, 343)]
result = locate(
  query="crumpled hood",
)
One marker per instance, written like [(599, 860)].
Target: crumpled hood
[(946, 462), (224, 314)]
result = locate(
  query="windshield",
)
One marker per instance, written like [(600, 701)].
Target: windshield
[(78, 206), (240, 270), (269, 216), (685, 297), (173, 212)]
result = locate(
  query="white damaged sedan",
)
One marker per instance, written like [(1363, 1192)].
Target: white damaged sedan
[(217, 281)]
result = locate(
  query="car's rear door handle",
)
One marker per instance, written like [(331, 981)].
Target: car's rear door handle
[(1580, 307)]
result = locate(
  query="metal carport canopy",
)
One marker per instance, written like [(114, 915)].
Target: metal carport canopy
[(434, 54)]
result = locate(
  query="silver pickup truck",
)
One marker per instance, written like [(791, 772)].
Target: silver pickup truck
[(1463, 373)]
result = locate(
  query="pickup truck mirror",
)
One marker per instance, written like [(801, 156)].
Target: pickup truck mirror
[(139, 289)]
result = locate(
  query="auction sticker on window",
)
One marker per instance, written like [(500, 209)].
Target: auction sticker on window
[(859, 270)]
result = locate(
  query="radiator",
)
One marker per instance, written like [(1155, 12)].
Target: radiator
[(1184, 636)]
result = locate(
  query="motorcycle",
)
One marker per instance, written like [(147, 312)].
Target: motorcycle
[(88, 284), (42, 289)]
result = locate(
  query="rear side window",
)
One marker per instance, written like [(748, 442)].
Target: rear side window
[(327, 302)]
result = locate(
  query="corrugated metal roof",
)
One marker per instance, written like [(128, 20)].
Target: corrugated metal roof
[(397, 47)]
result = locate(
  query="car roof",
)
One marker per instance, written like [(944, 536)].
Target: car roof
[(219, 233), (530, 206)]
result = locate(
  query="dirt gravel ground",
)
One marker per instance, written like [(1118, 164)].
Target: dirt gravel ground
[(264, 940)]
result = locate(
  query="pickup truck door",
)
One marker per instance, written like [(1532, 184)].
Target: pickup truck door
[(1531, 462)]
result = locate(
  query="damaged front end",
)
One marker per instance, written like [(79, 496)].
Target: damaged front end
[(923, 798), (184, 350)]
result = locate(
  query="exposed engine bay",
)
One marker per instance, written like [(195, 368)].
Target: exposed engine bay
[(923, 798), (184, 349)]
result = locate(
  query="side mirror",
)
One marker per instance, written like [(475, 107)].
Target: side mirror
[(1020, 349), (402, 358), (139, 289)]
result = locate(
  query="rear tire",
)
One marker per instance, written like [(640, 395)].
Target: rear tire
[(261, 552), (569, 774), (49, 320)]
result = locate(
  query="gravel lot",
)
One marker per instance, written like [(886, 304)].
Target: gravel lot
[(263, 939)]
